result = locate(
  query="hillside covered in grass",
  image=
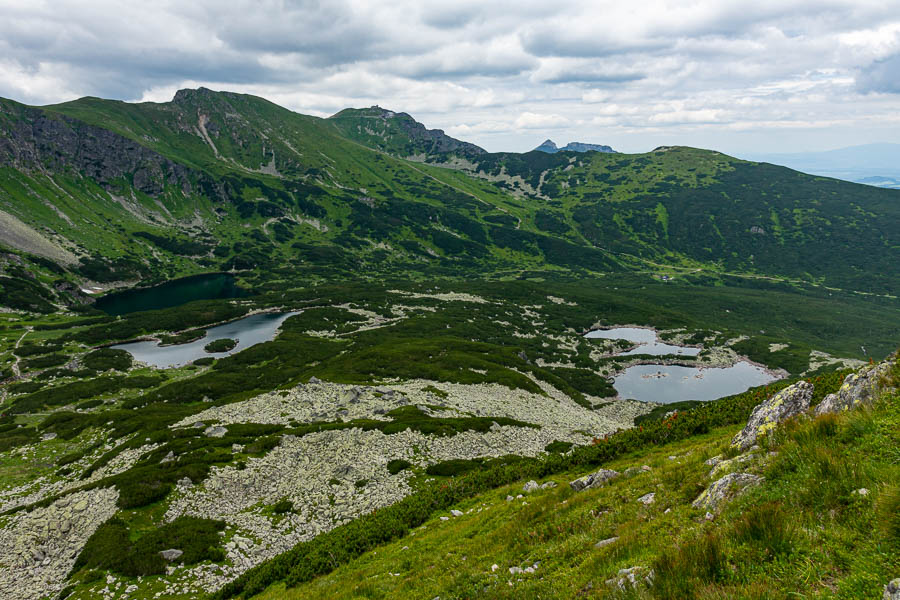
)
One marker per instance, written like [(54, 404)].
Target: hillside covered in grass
[(820, 519), (115, 192)]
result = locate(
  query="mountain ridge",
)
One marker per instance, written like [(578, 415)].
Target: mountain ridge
[(550, 147), (258, 187)]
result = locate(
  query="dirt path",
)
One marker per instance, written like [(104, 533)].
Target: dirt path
[(15, 366)]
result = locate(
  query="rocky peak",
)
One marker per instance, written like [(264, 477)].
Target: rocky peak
[(548, 146), (187, 95)]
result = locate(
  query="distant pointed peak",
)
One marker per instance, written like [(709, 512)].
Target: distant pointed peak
[(548, 146)]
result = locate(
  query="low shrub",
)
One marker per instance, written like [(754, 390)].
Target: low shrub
[(397, 465), (449, 468), (220, 345), (25, 387), (182, 338), (111, 547), (33, 349), (108, 359), (45, 362), (558, 447)]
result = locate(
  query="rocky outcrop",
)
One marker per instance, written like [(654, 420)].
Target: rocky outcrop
[(593, 480), (550, 147), (724, 489), (787, 403), (858, 389), (34, 139), (38, 548)]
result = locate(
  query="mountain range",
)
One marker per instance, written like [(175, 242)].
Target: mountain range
[(550, 147), (383, 380), (110, 191)]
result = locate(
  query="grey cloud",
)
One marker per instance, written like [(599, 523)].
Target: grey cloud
[(592, 77), (469, 61), (881, 76)]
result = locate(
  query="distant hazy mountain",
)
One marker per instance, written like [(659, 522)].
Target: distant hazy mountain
[(872, 164), (550, 147)]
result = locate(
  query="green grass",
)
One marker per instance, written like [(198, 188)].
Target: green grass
[(344, 210), (796, 533)]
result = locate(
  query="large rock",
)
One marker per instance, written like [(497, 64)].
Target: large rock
[(215, 431), (725, 489), (787, 403), (171, 554), (593, 480), (892, 590), (858, 389)]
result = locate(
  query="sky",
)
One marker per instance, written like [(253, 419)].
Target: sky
[(740, 77)]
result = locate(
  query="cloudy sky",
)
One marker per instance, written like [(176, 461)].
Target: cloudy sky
[(766, 75)]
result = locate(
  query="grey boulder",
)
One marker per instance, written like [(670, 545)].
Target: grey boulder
[(593, 480), (858, 389), (789, 402), (171, 554), (725, 489)]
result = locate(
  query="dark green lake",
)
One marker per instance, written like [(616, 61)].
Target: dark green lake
[(213, 286)]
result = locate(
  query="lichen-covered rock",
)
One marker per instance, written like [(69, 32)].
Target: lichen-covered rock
[(725, 489), (631, 578), (892, 590), (647, 498), (593, 480), (731, 464), (787, 403), (531, 486), (858, 389)]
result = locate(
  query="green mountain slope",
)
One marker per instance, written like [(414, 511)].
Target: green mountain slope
[(818, 512), (399, 134), (220, 181)]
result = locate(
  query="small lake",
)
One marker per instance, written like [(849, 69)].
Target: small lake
[(249, 331), (647, 338), (212, 286), (671, 383)]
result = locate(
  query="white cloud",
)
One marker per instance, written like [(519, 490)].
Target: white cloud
[(530, 120), (782, 73)]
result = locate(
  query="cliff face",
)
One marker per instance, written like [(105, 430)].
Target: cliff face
[(34, 140)]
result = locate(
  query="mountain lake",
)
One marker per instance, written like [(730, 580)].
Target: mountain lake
[(674, 383), (248, 331)]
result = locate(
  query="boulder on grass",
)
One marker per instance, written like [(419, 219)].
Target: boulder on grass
[(593, 480), (725, 489), (858, 389), (789, 402)]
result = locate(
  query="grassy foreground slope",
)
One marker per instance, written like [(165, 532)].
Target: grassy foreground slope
[(806, 530)]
